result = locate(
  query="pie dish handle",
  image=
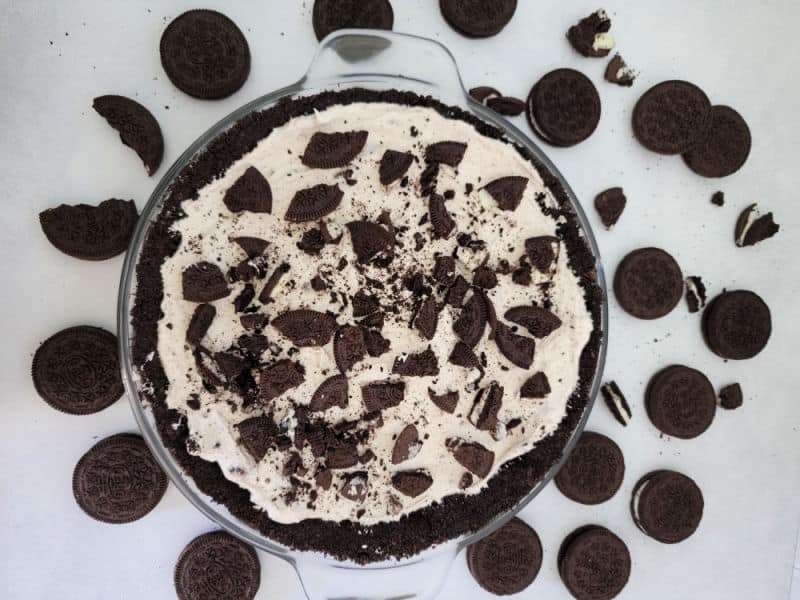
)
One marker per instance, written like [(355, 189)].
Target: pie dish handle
[(364, 55), (418, 580)]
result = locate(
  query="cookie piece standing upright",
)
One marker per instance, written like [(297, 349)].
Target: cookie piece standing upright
[(478, 18), (617, 403), (205, 54), (594, 563), (118, 480), (609, 205), (593, 472), (667, 506), (217, 565), (332, 15), (506, 561), (591, 36), (77, 370), (648, 283), (90, 232), (737, 325), (752, 227), (672, 117), (695, 293), (725, 147), (680, 401), (564, 107), (138, 128)]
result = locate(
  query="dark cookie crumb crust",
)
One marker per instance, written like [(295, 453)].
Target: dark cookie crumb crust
[(456, 515)]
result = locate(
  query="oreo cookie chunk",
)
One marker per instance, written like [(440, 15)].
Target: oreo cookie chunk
[(217, 565), (332, 15), (564, 107), (311, 204), (138, 128), (672, 117), (737, 325), (118, 480), (507, 106), (695, 293), (730, 397), (594, 563), (478, 18), (648, 283), (616, 402), (77, 370), (593, 472), (619, 72), (205, 54), (609, 205), (508, 560), (752, 227), (305, 327), (680, 401), (90, 232), (333, 150), (718, 198), (591, 36), (484, 93), (667, 506), (724, 148), (251, 192)]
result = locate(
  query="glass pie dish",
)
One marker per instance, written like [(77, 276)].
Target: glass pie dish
[(377, 61)]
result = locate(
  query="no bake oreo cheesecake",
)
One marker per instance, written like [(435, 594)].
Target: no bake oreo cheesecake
[(365, 322)]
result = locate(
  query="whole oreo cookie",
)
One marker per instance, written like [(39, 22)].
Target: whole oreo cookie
[(478, 18), (77, 370), (564, 107), (507, 561), (205, 54), (332, 15), (90, 232), (681, 401), (118, 480), (672, 117), (138, 128), (667, 506), (594, 471), (725, 148), (594, 563), (648, 283), (737, 325), (217, 565)]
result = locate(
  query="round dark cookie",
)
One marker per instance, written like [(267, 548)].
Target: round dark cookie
[(725, 148), (332, 15), (478, 18), (680, 401), (648, 283), (564, 107), (667, 506), (672, 117), (205, 54), (138, 128), (217, 566), (77, 370), (90, 232), (594, 563), (594, 471), (118, 480), (507, 561), (737, 325)]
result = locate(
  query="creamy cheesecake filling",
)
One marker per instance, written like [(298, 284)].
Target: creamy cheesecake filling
[(206, 231)]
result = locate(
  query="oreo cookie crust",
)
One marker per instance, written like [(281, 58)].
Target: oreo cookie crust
[(77, 370), (672, 117), (594, 563), (478, 18), (737, 325), (594, 471), (454, 515), (217, 565), (205, 54), (138, 128), (667, 506), (564, 107), (681, 401), (725, 147), (331, 15), (506, 561), (118, 480), (648, 283)]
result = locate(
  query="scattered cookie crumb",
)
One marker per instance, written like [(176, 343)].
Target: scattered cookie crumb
[(718, 199), (730, 397)]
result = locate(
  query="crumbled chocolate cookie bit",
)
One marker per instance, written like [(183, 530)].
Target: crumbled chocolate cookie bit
[(278, 378), (394, 165), (488, 402), (427, 318), (718, 199), (252, 246), (616, 403), (324, 479), (619, 72), (305, 327), (448, 153), (318, 284), (244, 298), (422, 364), (473, 456), (441, 221), (382, 395), (428, 179), (518, 349), (522, 275), (484, 277), (349, 347), (472, 321), (265, 297), (730, 397), (752, 227), (591, 35), (258, 435), (230, 364), (312, 241), (455, 295), (376, 344), (366, 457), (200, 322), (331, 392), (411, 483), (465, 482), (444, 270), (537, 386), (540, 322), (370, 240), (253, 321), (695, 293), (507, 191), (407, 445), (204, 282), (364, 303), (446, 402), (463, 356), (342, 456), (254, 343), (375, 320), (251, 192), (354, 486), (543, 252), (609, 205), (193, 402)]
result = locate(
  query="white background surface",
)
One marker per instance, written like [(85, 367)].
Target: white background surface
[(56, 56)]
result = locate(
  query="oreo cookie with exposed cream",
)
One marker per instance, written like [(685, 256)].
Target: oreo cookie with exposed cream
[(616, 402), (753, 227), (667, 506)]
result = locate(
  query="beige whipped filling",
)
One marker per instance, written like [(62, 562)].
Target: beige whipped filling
[(205, 236)]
